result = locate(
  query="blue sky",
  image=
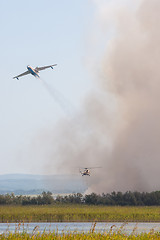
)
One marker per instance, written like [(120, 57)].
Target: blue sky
[(39, 33)]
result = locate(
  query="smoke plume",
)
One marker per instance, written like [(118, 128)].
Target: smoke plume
[(119, 126)]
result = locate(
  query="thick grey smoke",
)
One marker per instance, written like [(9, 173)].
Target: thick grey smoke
[(119, 127)]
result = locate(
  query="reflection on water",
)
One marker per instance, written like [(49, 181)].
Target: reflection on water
[(79, 227)]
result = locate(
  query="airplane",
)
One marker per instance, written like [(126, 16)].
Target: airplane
[(86, 171), (34, 71)]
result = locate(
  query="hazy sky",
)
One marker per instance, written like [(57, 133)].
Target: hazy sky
[(107, 74), (39, 33)]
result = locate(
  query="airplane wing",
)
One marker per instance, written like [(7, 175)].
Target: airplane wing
[(42, 68), (22, 74)]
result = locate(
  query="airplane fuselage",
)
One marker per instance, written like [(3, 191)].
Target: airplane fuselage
[(34, 72)]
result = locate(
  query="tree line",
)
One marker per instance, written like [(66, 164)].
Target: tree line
[(113, 199)]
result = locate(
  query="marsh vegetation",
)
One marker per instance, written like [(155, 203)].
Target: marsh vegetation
[(78, 213)]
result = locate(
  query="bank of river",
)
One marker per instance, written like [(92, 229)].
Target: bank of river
[(127, 228)]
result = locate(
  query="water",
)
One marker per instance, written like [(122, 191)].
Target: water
[(78, 227)]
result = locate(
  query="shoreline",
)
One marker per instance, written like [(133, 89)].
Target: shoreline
[(123, 222)]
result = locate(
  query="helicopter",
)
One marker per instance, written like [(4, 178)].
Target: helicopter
[(86, 171)]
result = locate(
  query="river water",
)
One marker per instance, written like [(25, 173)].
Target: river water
[(79, 227)]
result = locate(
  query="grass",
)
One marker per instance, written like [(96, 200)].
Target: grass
[(78, 213)]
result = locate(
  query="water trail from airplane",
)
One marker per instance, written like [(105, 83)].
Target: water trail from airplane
[(59, 99)]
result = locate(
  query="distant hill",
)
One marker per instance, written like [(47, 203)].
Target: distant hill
[(27, 184)]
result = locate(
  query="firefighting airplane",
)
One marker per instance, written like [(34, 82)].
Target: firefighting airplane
[(34, 71)]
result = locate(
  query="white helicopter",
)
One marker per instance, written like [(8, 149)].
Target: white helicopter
[(86, 171)]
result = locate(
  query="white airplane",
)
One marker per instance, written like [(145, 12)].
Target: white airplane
[(34, 71)]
